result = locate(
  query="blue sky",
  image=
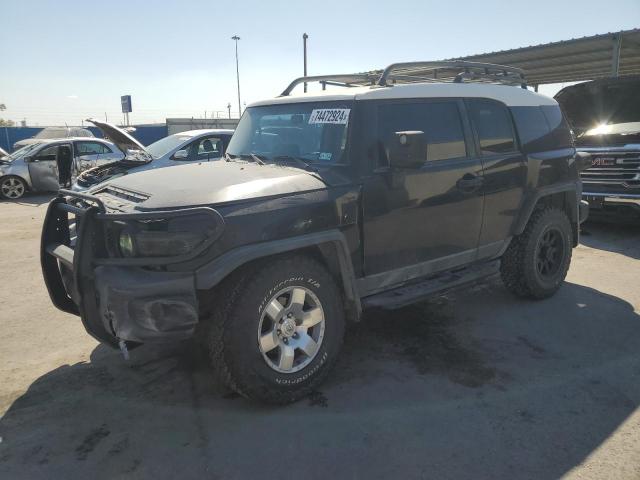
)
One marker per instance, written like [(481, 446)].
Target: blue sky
[(68, 60)]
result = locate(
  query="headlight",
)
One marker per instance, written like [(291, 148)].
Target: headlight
[(175, 236)]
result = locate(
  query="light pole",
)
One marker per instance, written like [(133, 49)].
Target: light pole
[(235, 38), (304, 48)]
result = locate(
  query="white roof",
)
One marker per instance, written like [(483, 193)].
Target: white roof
[(507, 94)]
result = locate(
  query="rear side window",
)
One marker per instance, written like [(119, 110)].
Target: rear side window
[(91, 148), (494, 127), (560, 131), (533, 128), (440, 122)]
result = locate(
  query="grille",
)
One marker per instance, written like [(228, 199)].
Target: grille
[(614, 168)]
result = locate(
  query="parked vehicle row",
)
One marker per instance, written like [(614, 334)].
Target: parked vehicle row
[(326, 204), (80, 163)]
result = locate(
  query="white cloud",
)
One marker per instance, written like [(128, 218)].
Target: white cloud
[(72, 97)]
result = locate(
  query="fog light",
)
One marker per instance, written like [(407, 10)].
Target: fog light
[(126, 244)]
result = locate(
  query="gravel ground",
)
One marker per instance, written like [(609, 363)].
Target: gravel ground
[(475, 384)]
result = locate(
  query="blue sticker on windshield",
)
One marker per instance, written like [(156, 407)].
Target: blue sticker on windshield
[(324, 156)]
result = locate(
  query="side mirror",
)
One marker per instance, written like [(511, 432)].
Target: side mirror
[(181, 155), (408, 150)]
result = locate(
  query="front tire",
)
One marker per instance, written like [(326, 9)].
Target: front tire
[(12, 188), (280, 329), (536, 262)]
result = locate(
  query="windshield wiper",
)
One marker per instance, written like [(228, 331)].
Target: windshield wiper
[(298, 160), (246, 156)]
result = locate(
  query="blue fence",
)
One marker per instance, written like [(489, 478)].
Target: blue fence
[(145, 134)]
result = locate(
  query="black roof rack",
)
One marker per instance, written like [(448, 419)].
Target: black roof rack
[(422, 72)]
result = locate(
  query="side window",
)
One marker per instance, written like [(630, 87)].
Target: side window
[(48, 153), (494, 127), (532, 127), (560, 131), (440, 122), (91, 148), (208, 147)]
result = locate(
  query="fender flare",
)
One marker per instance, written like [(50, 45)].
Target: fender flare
[(530, 203), (212, 273)]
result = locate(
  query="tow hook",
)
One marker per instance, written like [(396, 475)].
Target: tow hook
[(123, 348)]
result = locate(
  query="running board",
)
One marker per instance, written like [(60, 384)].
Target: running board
[(402, 296)]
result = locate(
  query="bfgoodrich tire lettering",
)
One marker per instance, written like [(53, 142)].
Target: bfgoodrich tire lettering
[(537, 261), (236, 329)]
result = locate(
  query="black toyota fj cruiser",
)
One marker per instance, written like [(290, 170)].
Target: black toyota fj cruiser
[(327, 203), (605, 117)]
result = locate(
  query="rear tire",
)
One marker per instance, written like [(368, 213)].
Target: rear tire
[(12, 187), (277, 330), (536, 262)]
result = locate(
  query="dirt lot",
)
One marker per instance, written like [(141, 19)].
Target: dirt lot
[(472, 385)]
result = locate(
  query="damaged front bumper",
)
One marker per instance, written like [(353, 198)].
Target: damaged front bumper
[(134, 300)]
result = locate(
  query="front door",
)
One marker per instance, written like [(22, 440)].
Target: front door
[(43, 169), (422, 220)]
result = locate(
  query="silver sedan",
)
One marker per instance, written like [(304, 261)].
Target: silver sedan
[(47, 165)]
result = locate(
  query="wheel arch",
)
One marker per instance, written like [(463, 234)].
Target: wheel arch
[(565, 197), (330, 248)]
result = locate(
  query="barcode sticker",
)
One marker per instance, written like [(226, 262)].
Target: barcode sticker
[(338, 116)]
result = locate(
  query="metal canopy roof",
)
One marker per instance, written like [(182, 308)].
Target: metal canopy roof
[(578, 59)]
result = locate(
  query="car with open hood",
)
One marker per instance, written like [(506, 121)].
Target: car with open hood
[(326, 203), (605, 117), (193, 146), (46, 165)]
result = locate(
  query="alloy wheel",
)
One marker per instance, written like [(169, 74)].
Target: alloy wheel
[(291, 329), (12, 188), (550, 253)]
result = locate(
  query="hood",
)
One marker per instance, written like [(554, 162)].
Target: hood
[(209, 183), (119, 136), (607, 101)]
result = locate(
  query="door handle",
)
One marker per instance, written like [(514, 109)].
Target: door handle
[(470, 183)]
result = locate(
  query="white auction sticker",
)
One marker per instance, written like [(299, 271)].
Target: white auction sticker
[(338, 116)]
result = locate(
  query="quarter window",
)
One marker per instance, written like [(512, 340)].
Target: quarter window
[(91, 148), (440, 122), (494, 127)]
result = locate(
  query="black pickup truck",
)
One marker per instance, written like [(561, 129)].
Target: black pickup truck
[(605, 117), (377, 195)]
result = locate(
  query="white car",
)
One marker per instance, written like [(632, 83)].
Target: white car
[(185, 147)]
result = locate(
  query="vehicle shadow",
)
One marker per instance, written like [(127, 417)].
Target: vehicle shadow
[(623, 238), (475, 381), (33, 199)]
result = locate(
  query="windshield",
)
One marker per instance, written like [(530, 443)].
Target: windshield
[(21, 152), (165, 145), (313, 132), (52, 133)]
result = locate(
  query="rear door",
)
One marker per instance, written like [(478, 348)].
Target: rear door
[(422, 220), (504, 171), (43, 169)]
